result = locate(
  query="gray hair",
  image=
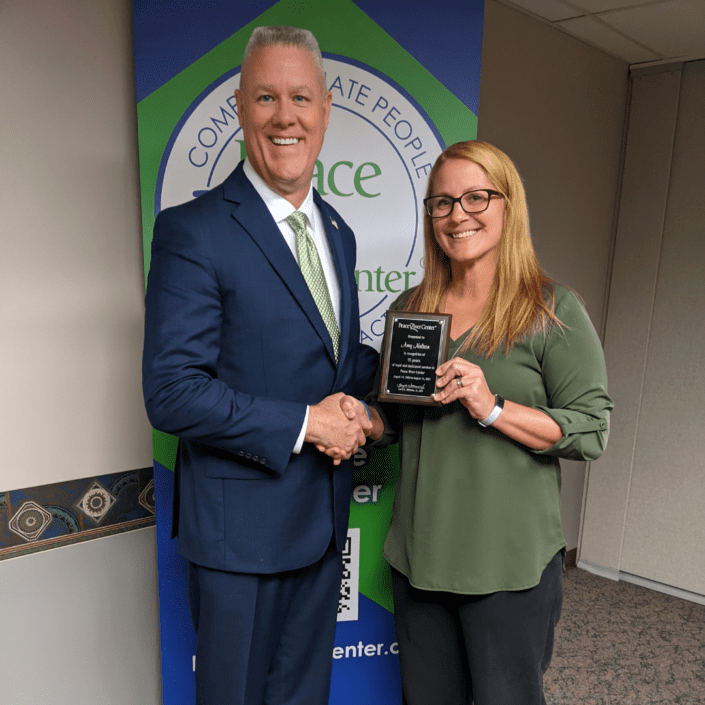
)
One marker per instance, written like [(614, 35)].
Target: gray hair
[(289, 36)]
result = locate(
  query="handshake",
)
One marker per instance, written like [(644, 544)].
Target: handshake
[(339, 425)]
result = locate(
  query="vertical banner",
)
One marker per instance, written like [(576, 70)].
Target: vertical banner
[(405, 81)]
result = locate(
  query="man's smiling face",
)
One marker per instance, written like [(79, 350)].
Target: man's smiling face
[(283, 110)]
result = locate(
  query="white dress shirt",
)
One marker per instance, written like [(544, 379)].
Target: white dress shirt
[(280, 210)]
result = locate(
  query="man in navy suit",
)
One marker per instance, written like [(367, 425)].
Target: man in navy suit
[(240, 365)]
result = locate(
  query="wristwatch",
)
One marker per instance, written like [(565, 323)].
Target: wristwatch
[(494, 414)]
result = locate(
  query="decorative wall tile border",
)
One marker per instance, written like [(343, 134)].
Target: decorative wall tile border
[(49, 516)]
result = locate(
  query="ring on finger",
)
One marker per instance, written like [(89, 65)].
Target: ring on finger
[(459, 381)]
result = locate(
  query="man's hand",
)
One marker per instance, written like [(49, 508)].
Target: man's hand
[(332, 431), (356, 411), (353, 408)]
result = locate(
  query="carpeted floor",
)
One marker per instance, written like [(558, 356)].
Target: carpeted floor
[(622, 644)]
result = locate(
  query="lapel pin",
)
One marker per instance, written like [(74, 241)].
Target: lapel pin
[(335, 225)]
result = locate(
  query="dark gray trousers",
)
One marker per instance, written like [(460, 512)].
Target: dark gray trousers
[(487, 649)]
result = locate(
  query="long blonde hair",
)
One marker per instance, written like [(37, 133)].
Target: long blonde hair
[(521, 299)]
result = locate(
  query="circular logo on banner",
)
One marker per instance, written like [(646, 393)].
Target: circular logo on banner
[(373, 169)]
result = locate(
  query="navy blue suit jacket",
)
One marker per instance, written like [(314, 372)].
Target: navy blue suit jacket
[(235, 349)]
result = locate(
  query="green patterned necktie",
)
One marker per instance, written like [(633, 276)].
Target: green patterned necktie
[(311, 268)]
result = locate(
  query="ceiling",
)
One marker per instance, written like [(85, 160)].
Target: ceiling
[(640, 32)]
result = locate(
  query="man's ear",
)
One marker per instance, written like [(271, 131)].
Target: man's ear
[(327, 102), (238, 103)]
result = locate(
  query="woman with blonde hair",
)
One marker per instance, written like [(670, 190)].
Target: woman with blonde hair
[(475, 544)]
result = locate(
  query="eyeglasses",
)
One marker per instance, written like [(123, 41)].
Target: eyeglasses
[(470, 202)]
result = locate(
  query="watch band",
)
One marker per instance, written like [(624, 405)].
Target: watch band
[(494, 414)]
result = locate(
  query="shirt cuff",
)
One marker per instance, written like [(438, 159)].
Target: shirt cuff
[(302, 435)]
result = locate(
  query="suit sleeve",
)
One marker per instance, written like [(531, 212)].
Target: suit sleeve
[(182, 392), (367, 363)]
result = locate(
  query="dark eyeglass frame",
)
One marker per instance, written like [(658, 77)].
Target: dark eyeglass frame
[(490, 192)]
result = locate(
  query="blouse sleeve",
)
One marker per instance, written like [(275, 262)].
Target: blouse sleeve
[(574, 373)]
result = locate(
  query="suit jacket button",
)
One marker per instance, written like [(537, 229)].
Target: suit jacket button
[(262, 460), (241, 452), (255, 458)]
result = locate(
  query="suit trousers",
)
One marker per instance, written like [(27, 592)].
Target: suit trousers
[(483, 649), (265, 639)]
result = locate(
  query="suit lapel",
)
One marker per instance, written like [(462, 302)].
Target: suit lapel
[(254, 217)]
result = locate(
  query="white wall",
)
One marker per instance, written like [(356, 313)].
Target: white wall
[(80, 624), (71, 267)]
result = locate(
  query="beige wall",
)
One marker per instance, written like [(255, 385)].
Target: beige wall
[(71, 265), (557, 108), (644, 504)]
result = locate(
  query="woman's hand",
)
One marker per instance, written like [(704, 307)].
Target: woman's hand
[(460, 380), (531, 427)]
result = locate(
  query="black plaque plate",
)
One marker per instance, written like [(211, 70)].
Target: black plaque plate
[(415, 344)]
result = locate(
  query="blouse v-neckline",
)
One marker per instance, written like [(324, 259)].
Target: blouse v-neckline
[(457, 342)]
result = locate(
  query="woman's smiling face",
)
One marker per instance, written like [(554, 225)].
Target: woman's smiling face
[(467, 237)]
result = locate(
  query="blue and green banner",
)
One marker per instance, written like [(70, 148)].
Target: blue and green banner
[(405, 81)]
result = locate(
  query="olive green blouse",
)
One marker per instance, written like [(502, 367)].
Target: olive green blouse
[(474, 511)]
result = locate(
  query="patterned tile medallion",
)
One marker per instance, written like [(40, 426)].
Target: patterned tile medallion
[(30, 521), (96, 502)]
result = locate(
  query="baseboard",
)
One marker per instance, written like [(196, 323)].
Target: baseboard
[(662, 587), (617, 575), (600, 570)]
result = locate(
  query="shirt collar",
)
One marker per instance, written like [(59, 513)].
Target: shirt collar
[(277, 205)]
